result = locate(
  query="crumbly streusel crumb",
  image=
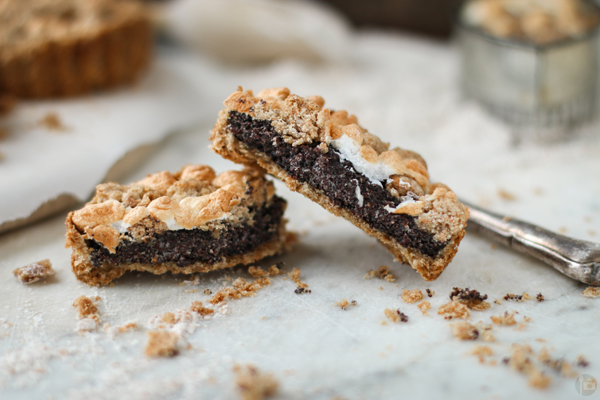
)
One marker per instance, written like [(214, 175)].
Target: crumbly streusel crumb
[(412, 296), (504, 319), (240, 288), (295, 276), (200, 309), (430, 292), (591, 292), (482, 350), (582, 361), (86, 307), (539, 380), (382, 273), (454, 309), (517, 297), (161, 344), (258, 272), (34, 271), (471, 298), (485, 332), (395, 316), (129, 326), (464, 330), (207, 292), (52, 122), (539, 297), (343, 304), (424, 307), (254, 385)]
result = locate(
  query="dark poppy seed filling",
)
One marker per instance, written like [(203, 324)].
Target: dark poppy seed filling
[(337, 179), (185, 247)]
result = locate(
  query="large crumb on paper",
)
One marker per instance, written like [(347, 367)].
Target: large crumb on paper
[(258, 272), (395, 316), (343, 304), (382, 273), (412, 296), (253, 384), (471, 298), (424, 307), (52, 122), (504, 319), (240, 288), (521, 361), (86, 307), (161, 344), (89, 317), (197, 307), (591, 292), (454, 309), (295, 276), (463, 330), (34, 271)]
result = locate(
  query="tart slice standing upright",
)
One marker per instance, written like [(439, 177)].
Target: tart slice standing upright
[(329, 158)]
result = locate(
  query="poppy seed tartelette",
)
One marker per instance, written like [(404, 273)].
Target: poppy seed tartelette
[(329, 158), (186, 222)]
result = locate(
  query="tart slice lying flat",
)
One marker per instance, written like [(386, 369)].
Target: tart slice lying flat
[(330, 159), (186, 222)]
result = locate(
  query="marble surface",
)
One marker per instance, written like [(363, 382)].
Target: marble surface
[(404, 90)]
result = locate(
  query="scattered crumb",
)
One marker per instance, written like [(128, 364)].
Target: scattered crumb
[(412, 296), (191, 291), (591, 292), (382, 273), (295, 276), (424, 307), (539, 297), (482, 351), (258, 272), (200, 309), (504, 319), (34, 272), (161, 344), (207, 292), (485, 332), (454, 309), (591, 232), (582, 362), (240, 288), (540, 340), (470, 298), (52, 122), (342, 304), (505, 195), (254, 385), (538, 191), (493, 246), (430, 292), (463, 330), (395, 316), (517, 297), (301, 290), (539, 380), (86, 307), (562, 229), (559, 365), (497, 302), (520, 361), (380, 287), (129, 326)]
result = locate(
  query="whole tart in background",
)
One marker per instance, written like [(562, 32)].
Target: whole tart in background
[(57, 48)]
